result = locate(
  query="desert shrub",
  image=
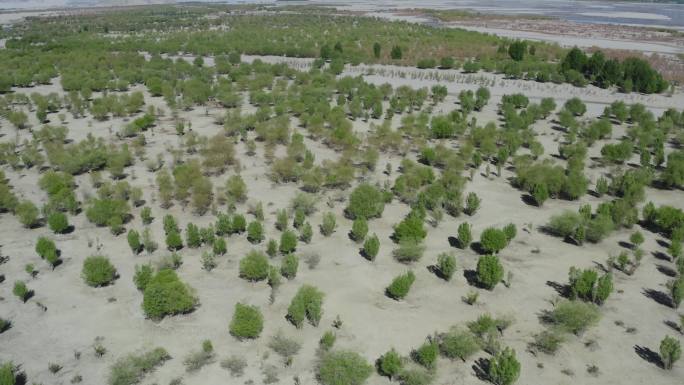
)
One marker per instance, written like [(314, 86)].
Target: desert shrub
[(4, 326), (223, 224), (102, 212), (236, 189), (255, 232), (390, 364), (458, 343), (676, 291), (288, 268), (586, 285), (219, 246), (574, 316), (343, 368), (142, 276), (328, 224), (131, 369), (165, 294), (288, 242), (636, 238), (284, 347), (58, 222), (299, 219), (575, 106), (174, 241), (510, 231), (504, 368), (306, 304), (408, 251), (247, 322), (446, 265), (489, 271), (198, 359), (670, 351), (46, 249), (400, 285), (281, 220), (493, 240), (133, 238), (565, 224), (548, 341), (305, 232), (465, 235), (146, 215), (359, 229), (170, 224), (98, 271), (207, 235), (366, 201), (472, 203), (426, 355), (327, 340), (410, 229), (235, 364), (238, 224), (254, 266), (416, 376), (27, 213), (21, 291), (192, 236), (371, 247), (8, 374), (272, 248)]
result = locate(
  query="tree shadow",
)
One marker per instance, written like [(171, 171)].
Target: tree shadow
[(626, 245), (662, 243), (670, 272), (481, 369), (453, 242), (673, 325), (660, 255), (365, 255), (658, 296), (471, 278), (648, 355), (561, 289), (529, 200), (477, 247)]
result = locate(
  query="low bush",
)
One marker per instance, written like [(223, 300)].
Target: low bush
[(343, 368), (408, 251), (446, 265), (465, 235), (670, 351), (371, 247), (288, 242), (58, 222), (235, 364), (548, 341), (165, 294), (400, 285), (493, 240), (27, 213), (254, 266), (390, 364), (366, 201), (21, 291), (198, 359), (327, 340), (284, 347), (288, 268), (247, 322), (219, 247), (426, 355), (489, 271), (329, 224), (255, 232), (359, 229), (504, 368), (574, 316), (458, 343), (131, 369), (133, 238), (142, 276), (306, 304), (98, 271)]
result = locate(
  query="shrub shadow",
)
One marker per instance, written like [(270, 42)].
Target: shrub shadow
[(529, 200), (561, 289), (481, 369), (648, 355), (673, 325), (662, 256), (670, 272), (658, 296)]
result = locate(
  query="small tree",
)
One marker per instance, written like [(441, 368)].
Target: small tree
[(446, 265), (504, 368), (288, 242), (390, 364), (289, 266), (58, 222), (489, 271), (458, 343), (366, 201), (165, 294), (676, 291), (255, 232), (343, 368), (306, 304), (98, 271), (247, 322), (254, 266), (400, 285), (670, 351), (493, 240), (329, 224), (359, 229), (371, 247), (134, 241), (472, 203), (465, 235)]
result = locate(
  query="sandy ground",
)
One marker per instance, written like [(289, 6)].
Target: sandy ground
[(373, 323)]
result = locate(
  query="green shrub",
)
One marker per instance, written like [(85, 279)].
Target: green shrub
[(410, 229), (472, 203), (8, 374), (489, 271), (131, 369), (465, 235), (174, 241), (98, 271), (198, 359), (299, 218), (58, 222), (142, 276), (238, 224), (493, 240), (446, 265), (676, 291), (272, 248), (343, 368), (27, 213), (281, 220), (21, 291), (306, 304), (305, 232), (458, 343), (219, 247), (284, 347), (329, 224), (510, 231), (390, 364), (548, 341), (247, 322), (359, 229), (504, 368), (146, 215), (192, 236), (255, 232), (327, 340), (408, 251), (170, 225), (371, 247), (289, 266), (366, 201), (166, 294), (574, 316), (103, 211), (670, 351), (426, 355), (288, 242), (254, 266), (400, 285), (416, 376), (134, 241)]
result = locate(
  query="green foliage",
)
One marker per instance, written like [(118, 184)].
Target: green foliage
[(493, 240), (366, 201), (400, 285), (21, 291), (329, 224), (47, 250), (98, 271), (327, 340), (254, 266), (489, 271), (247, 322), (359, 229), (288, 268), (306, 304), (676, 291), (371, 247), (133, 238), (465, 235), (104, 212), (446, 265), (288, 242), (343, 368), (574, 316), (7, 374), (27, 213), (165, 294), (306, 232), (131, 369), (411, 229), (390, 364), (143, 275), (192, 236), (198, 359), (408, 251), (586, 285), (58, 222), (272, 248), (472, 203), (458, 343), (670, 351), (426, 355), (504, 368), (174, 241), (255, 232)]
